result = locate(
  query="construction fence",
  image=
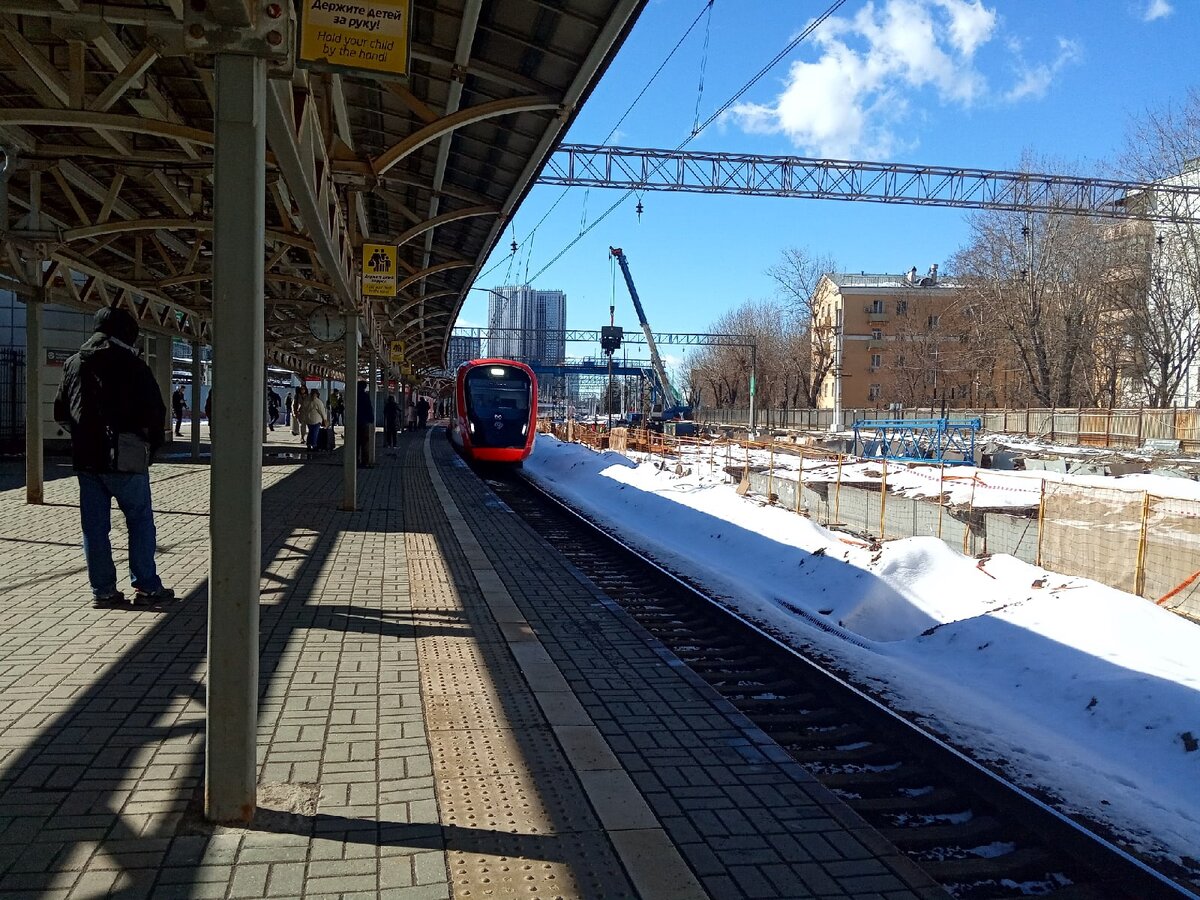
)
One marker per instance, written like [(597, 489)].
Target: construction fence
[(1120, 429), (1130, 540)]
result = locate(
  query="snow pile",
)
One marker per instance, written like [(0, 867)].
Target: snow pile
[(1089, 692)]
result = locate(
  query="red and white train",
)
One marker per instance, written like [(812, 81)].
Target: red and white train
[(495, 410)]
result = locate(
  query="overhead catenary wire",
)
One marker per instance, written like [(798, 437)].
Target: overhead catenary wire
[(703, 68), (808, 30), (583, 219)]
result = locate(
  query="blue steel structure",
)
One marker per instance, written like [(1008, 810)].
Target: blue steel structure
[(917, 440), (584, 369)]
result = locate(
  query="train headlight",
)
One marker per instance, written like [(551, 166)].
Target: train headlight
[(524, 428), (471, 426), (496, 372)]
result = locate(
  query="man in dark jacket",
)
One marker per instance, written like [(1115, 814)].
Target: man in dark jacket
[(391, 421), (177, 407), (112, 407), (366, 425), (422, 412), (273, 402)]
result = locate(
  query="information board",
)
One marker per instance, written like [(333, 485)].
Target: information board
[(379, 270), (361, 35)]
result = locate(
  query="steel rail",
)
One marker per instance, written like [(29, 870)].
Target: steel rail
[(1079, 842)]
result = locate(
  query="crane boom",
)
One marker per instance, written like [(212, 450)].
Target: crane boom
[(670, 397)]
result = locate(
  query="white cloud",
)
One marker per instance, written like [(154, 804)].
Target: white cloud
[(1034, 81), (971, 25), (854, 98), (881, 74), (1157, 9)]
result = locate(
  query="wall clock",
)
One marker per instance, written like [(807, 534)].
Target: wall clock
[(326, 324)]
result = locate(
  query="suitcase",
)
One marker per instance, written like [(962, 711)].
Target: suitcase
[(325, 439)]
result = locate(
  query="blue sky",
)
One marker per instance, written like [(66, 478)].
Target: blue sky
[(941, 82)]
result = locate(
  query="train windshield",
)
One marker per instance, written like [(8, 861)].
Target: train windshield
[(497, 401)]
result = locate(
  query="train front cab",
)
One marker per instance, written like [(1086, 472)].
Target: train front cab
[(495, 410)]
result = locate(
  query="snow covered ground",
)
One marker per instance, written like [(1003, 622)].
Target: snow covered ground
[(965, 485), (1065, 684)]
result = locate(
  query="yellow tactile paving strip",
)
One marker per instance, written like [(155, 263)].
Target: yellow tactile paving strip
[(514, 753)]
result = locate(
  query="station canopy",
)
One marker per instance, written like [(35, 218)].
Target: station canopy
[(106, 122)]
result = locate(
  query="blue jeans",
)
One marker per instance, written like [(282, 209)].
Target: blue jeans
[(313, 432), (132, 493)]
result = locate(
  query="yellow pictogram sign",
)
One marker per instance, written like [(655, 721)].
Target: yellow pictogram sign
[(397, 351), (379, 270), (367, 35)]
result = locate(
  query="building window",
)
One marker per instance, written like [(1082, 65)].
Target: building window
[(935, 321), (876, 307), (873, 393), (901, 307), (876, 360), (876, 334)]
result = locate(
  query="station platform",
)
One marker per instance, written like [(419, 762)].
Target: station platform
[(448, 709)]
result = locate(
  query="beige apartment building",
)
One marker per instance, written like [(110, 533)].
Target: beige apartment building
[(905, 339)]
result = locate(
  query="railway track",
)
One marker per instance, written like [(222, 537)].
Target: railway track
[(979, 836)]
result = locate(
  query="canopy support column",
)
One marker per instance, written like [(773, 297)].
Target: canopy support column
[(350, 422), (197, 374), (373, 374), (34, 353), (163, 374), (236, 495)]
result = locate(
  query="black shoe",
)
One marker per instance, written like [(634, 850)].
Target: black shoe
[(162, 595), (109, 601)]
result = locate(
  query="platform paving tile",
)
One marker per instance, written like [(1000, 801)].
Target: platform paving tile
[(426, 686), (102, 716), (722, 791)]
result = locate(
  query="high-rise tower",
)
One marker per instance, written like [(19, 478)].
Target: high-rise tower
[(539, 317)]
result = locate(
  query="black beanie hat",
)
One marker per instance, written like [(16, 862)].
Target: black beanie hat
[(117, 323)]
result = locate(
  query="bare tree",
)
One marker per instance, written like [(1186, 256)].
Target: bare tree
[(1044, 282), (796, 277), (721, 374), (1162, 309)]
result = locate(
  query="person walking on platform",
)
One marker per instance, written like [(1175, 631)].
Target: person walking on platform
[(110, 403), (422, 412), (391, 421), (177, 404), (336, 408), (273, 402), (287, 410), (314, 415), (208, 412), (366, 425), (297, 411)]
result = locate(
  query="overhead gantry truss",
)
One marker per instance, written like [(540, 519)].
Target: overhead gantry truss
[(630, 168), (632, 336), (106, 117)]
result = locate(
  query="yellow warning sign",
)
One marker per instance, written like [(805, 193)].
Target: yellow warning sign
[(369, 35), (379, 270), (397, 351)]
